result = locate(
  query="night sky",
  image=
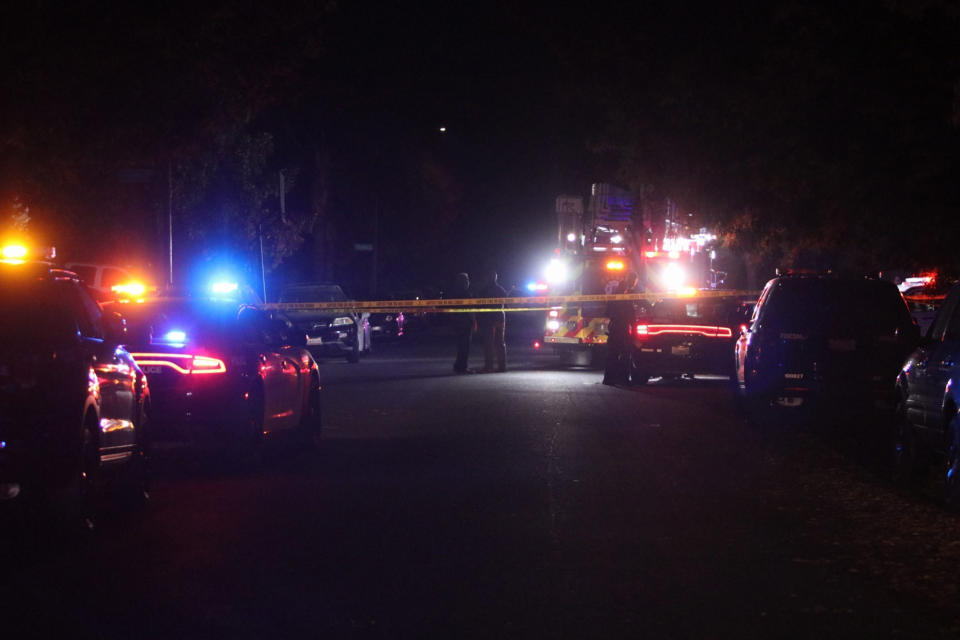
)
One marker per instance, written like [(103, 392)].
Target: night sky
[(825, 134)]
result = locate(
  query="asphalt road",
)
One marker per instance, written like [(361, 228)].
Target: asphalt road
[(532, 503)]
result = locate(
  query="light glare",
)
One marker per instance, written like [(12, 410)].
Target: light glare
[(14, 252)]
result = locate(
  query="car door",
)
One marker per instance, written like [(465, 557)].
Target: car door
[(119, 404), (290, 397), (942, 363), (926, 378), (276, 369)]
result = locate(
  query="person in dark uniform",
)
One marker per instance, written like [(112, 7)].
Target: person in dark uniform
[(622, 315), (492, 326), (463, 324)]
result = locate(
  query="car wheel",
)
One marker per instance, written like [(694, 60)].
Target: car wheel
[(950, 472), (904, 450)]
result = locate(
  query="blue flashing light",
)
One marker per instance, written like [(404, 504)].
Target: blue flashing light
[(224, 287), (3, 444), (531, 286), (175, 337)]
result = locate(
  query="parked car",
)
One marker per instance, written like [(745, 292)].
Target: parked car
[(388, 324), (680, 336), (223, 373), (928, 393), (99, 278), (822, 340), (328, 332), (73, 402)]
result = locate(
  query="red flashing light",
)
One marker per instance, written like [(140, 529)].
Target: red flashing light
[(536, 344)]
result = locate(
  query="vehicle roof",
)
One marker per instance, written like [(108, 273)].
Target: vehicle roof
[(34, 270), (310, 284)]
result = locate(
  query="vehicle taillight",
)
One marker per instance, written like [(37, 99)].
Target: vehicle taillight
[(706, 331), (184, 363), (204, 364)]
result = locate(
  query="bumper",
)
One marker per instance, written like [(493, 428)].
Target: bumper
[(676, 359), (848, 395), (332, 341), (192, 409)]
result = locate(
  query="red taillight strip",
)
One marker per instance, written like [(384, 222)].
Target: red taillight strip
[(703, 330), (191, 364)]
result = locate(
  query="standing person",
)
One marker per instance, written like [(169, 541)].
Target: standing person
[(619, 348), (463, 324), (492, 325)]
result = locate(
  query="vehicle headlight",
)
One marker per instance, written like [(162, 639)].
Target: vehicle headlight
[(553, 325), (339, 322), (556, 271), (389, 318), (672, 277)]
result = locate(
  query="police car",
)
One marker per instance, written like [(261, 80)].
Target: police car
[(222, 372), (73, 402)]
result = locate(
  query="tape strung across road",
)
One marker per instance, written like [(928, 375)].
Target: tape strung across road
[(479, 305)]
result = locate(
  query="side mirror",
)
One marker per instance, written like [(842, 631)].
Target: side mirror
[(115, 328)]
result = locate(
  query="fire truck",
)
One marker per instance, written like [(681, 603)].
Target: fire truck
[(595, 248), (597, 245)]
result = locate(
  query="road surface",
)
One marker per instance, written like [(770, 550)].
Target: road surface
[(532, 503)]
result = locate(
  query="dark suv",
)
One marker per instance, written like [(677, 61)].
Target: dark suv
[(72, 401), (825, 340), (928, 421)]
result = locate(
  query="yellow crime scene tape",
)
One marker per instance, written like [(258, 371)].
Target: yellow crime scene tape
[(480, 305)]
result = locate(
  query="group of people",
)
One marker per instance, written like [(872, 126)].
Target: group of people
[(490, 325)]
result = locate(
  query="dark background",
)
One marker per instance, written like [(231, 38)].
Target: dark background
[(813, 135)]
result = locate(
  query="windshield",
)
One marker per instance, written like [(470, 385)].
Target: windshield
[(709, 311), (313, 293), (830, 305), (178, 322)]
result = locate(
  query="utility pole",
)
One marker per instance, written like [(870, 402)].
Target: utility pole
[(376, 246), (263, 272), (170, 217)]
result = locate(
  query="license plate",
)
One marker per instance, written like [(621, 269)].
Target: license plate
[(151, 370), (314, 341), (680, 350)]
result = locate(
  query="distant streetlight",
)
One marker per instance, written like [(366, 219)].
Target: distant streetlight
[(443, 129)]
